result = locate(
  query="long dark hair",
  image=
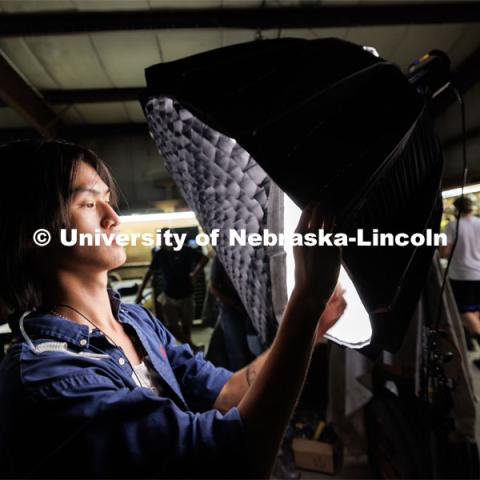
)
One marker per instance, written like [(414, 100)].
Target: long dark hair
[(35, 193)]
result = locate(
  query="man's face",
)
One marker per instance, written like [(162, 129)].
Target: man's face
[(90, 212)]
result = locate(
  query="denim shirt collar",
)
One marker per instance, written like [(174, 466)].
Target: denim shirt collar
[(44, 323)]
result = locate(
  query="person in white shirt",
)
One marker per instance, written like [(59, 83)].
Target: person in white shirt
[(464, 272)]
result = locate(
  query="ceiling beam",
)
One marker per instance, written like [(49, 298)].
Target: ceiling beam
[(96, 95), (127, 128), (77, 132), (19, 95), (81, 133), (310, 16), (90, 95)]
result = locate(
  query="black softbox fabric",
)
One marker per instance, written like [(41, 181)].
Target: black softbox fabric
[(325, 120)]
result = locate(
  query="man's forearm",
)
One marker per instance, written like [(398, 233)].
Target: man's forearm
[(237, 386), (235, 389)]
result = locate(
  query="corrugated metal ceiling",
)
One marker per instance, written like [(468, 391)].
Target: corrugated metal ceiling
[(118, 59)]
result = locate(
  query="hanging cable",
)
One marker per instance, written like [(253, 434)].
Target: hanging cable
[(432, 356)]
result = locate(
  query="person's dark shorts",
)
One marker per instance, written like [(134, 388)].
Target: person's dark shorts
[(467, 295)]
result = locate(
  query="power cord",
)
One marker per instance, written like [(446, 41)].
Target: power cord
[(433, 332)]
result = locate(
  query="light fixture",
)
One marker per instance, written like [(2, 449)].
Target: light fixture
[(148, 217), (455, 192), (324, 120)]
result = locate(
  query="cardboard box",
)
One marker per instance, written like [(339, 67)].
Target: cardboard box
[(319, 456)]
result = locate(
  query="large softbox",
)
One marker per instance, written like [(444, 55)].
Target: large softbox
[(325, 120)]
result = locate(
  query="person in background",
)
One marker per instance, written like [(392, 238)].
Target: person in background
[(240, 342), (464, 271), (179, 268)]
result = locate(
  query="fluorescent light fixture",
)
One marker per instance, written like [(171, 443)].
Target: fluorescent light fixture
[(353, 329), (146, 217), (455, 192)]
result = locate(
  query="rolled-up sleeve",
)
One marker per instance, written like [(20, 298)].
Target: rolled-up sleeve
[(199, 379)]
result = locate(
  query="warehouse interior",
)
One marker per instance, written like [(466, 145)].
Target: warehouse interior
[(75, 70)]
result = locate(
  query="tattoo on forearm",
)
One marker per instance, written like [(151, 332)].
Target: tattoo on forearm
[(250, 374)]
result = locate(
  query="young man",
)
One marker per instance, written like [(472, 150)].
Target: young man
[(96, 388)]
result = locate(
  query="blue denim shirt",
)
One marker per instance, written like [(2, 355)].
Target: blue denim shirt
[(82, 415)]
